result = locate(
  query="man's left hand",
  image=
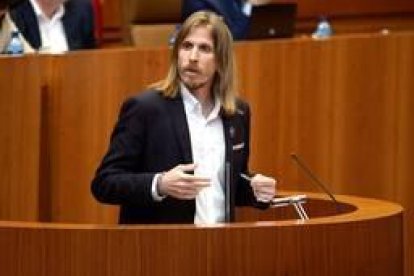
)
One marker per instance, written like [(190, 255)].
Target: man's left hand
[(264, 187)]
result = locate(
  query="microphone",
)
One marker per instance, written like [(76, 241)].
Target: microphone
[(314, 178), (228, 217)]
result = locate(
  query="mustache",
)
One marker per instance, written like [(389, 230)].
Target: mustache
[(192, 69)]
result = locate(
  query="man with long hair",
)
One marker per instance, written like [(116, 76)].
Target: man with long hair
[(179, 152)]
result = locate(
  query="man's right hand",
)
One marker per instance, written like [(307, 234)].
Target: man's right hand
[(181, 184)]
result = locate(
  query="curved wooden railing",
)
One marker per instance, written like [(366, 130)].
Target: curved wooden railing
[(365, 239)]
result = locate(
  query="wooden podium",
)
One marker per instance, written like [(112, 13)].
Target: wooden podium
[(365, 238)]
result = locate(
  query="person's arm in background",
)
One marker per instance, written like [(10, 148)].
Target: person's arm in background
[(88, 24), (79, 25), (90, 34)]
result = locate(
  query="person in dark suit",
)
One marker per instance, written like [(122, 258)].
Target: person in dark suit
[(236, 13), (179, 151), (69, 24), (7, 27)]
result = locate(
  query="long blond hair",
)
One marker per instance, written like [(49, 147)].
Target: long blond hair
[(224, 83)]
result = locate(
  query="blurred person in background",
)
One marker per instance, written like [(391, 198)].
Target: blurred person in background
[(7, 26), (54, 26), (236, 13)]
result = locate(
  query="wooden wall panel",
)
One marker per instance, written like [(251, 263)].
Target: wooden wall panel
[(315, 8), (344, 105), (333, 102), (84, 102), (404, 158), (20, 103)]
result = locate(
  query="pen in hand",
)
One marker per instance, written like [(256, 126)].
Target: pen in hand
[(246, 177), (249, 178)]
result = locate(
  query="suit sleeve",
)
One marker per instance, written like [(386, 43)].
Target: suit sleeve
[(89, 39), (245, 195), (119, 179)]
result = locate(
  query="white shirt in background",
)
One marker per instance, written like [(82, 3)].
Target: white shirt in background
[(52, 32)]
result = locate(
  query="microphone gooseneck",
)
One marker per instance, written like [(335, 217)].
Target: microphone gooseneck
[(314, 178)]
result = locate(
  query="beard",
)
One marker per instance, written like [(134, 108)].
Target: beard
[(193, 85), (192, 82)]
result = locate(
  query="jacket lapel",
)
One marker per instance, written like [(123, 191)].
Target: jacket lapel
[(69, 24), (229, 130), (25, 20), (229, 189), (180, 126)]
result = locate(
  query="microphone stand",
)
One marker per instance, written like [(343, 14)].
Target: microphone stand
[(296, 201)]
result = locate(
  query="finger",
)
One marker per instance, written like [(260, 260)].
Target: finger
[(265, 195), (190, 187), (266, 189), (195, 178), (188, 192), (188, 195), (186, 167), (262, 199), (264, 184), (184, 196), (201, 184)]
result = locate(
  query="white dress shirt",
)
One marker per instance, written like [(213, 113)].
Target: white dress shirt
[(52, 32), (208, 149)]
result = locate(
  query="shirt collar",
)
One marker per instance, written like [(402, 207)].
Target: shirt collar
[(191, 104), (40, 14)]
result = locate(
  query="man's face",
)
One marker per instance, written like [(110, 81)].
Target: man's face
[(197, 59)]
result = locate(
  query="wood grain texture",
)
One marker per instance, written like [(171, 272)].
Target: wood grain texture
[(344, 104), (20, 107), (315, 8), (367, 241), (358, 24), (86, 93)]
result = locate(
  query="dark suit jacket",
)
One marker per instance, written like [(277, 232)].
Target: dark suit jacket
[(77, 23), (152, 136), (231, 10)]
